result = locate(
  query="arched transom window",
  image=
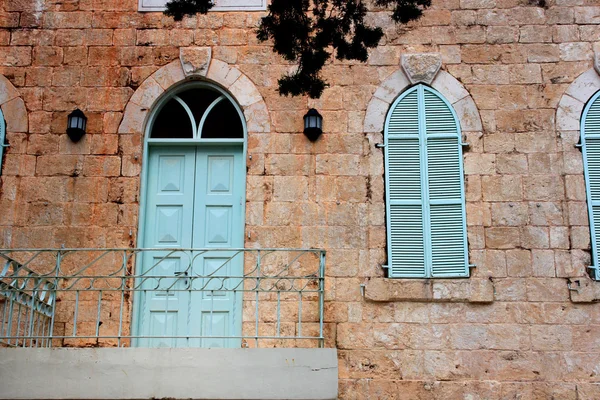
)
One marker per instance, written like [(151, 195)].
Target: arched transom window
[(425, 201), (198, 112)]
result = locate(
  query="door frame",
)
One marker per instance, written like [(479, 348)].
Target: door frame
[(195, 142)]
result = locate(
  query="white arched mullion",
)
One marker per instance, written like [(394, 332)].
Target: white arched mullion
[(190, 114), (205, 115)]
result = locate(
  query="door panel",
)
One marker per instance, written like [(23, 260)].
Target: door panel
[(220, 172), (194, 199)]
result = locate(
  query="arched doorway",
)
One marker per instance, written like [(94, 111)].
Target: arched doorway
[(192, 213)]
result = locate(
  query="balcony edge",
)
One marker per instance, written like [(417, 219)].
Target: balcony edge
[(144, 373)]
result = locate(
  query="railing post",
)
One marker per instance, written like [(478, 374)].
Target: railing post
[(56, 277), (258, 261), (321, 296)]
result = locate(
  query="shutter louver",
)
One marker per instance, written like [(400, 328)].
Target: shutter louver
[(425, 189), (591, 153)]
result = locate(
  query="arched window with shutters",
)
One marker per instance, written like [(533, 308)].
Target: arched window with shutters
[(425, 201), (3, 143), (590, 143)]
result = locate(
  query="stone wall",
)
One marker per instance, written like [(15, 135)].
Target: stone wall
[(523, 325)]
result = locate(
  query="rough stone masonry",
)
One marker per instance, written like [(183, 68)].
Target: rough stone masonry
[(521, 70)]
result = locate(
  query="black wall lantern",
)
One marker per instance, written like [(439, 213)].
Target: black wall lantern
[(313, 124), (76, 125)]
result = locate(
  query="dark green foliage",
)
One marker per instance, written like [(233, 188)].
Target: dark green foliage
[(180, 8), (304, 31)]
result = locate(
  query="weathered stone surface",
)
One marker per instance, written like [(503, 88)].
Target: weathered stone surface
[(517, 77), (392, 87), (421, 67), (418, 290), (147, 93), (195, 60), (169, 75), (568, 113), (375, 115), (15, 115), (7, 90), (449, 86), (584, 290)]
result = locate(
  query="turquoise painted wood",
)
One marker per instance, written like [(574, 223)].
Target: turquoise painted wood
[(2, 138), (219, 223), (424, 188), (193, 200), (590, 141)]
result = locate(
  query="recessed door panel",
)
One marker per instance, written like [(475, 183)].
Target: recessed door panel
[(218, 226), (168, 225), (220, 174), (171, 170)]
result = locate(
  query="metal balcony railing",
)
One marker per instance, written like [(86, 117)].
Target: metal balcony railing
[(162, 297)]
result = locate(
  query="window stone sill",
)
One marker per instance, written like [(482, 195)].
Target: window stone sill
[(473, 290), (584, 290)]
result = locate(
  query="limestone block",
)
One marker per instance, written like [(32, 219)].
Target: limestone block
[(576, 51), (451, 290), (147, 93), (18, 121), (195, 60), (475, 290), (467, 113), (222, 73), (392, 86), (584, 290), (7, 90), (398, 290), (168, 75), (597, 62), (375, 116), (449, 86), (133, 119), (568, 113), (584, 86), (244, 91), (421, 67), (257, 117)]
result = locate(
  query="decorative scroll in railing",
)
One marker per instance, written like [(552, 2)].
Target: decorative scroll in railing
[(26, 305), (162, 297)]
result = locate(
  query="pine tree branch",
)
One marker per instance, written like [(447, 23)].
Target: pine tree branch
[(304, 31)]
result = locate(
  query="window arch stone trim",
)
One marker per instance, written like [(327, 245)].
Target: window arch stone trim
[(460, 99), (13, 107), (238, 84), (572, 102)]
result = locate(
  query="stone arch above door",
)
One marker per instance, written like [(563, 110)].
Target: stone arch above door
[(442, 81), (13, 107), (239, 85)]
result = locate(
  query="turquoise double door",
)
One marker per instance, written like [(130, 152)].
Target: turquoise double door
[(194, 200)]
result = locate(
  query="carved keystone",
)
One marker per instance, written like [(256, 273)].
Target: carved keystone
[(195, 60), (421, 67), (597, 62)]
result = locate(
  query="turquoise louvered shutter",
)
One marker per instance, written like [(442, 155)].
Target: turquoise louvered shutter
[(590, 140), (2, 138), (424, 188)]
